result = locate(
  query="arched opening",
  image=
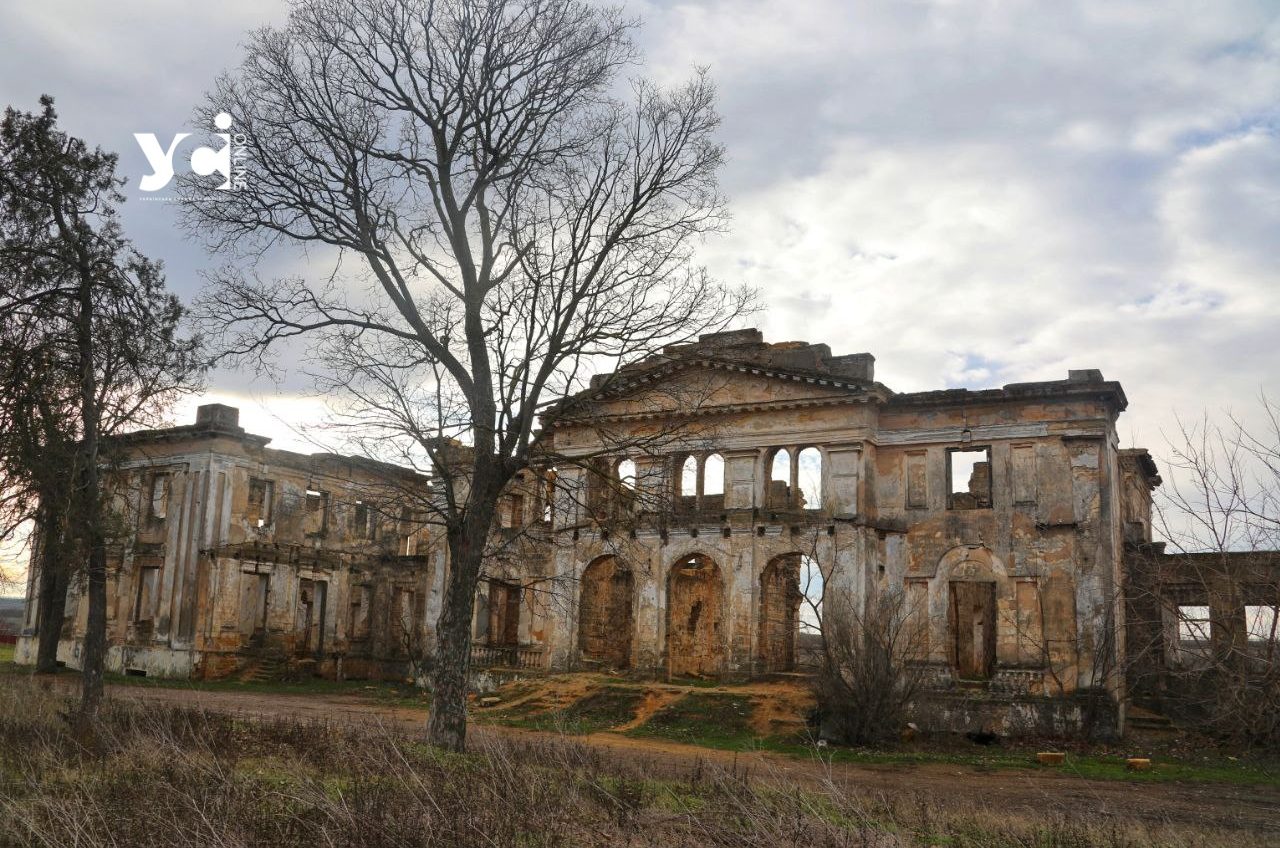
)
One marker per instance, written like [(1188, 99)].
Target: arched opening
[(687, 485), (713, 482), (810, 484), (625, 493), (791, 588), (604, 613), (780, 613), (778, 484), (627, 474), (695, 640)]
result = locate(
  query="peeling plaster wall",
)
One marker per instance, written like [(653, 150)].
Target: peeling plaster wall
[(193, 550)]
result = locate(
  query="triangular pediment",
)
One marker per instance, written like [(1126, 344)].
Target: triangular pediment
[(709, 386)]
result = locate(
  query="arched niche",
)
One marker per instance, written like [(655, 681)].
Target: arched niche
[(605, 612), (695, 632)]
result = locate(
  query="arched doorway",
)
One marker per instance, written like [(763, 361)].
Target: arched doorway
[(695, 637), (604, 613), (780, 599)]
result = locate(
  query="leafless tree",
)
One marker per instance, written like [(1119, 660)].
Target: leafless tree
[(511, 219), (1205, 607), (868, 675)]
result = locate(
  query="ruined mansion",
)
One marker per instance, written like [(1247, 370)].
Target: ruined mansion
[(760, 484)]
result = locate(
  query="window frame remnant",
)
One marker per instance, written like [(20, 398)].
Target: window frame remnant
[(1194, 628), (316, 500), (261, 497), (952, 494), (1262, 623)]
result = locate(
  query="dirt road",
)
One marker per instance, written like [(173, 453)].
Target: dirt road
[(1223, 806)]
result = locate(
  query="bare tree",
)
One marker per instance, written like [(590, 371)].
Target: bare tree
[(96, 337), (516, 218), (868, 675), (1206, 604)]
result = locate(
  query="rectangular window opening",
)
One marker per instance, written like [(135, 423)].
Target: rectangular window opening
[(1193, 624), (261, 496), (1261, 623), (317, 511), (969, 478)]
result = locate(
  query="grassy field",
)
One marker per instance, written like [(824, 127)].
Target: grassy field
[(720, 719), (6, 654), (158, 774)]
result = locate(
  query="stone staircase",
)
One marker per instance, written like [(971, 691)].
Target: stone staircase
[(1148, 721), (265, 668)]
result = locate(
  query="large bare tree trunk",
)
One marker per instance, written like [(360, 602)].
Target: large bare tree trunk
[(90, 499), (447, 722), (51, 602)]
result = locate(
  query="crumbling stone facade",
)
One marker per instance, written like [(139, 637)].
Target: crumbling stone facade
[(698, 499), (240, 559), (1000, 513)]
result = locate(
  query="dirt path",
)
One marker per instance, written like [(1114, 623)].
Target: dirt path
[(1041, 792)]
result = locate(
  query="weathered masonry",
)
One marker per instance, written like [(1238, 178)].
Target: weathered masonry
[(771, 469), (240, 559), (705, 504)]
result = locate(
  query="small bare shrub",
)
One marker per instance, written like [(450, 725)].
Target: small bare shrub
[(865, 681)]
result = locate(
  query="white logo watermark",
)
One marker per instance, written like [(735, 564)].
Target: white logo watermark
[(229, 161)]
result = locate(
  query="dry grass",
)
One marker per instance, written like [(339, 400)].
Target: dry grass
[(156, 775)]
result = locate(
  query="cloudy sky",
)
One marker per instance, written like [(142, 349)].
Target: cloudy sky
[(976, 192)]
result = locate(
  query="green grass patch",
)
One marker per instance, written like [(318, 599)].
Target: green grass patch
[(393, 694), (6, 654), (710, 719), (1091, 767)]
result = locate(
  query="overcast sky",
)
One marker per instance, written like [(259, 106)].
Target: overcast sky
[(976, 192)]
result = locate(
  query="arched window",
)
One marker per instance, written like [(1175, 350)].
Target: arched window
[(810, 484), (687, 489), (627, 474), (713, 482), (778, 485)]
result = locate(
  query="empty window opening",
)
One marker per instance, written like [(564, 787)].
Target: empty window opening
[(1261, 623), (625, 492), (687, 488), (778, 484), (261, 497), (549, 496), (317, 511), (969, 478), (810, 467), (159, 502), (713, 482), (360, 521), (1193, 624)]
